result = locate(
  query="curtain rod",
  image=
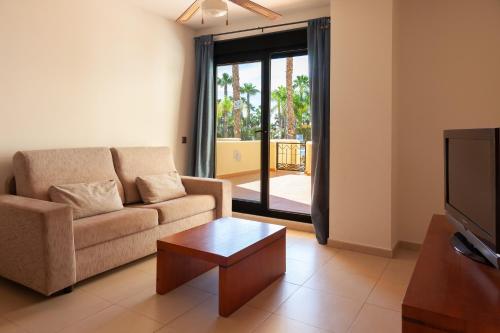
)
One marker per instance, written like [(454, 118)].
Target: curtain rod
[(262, 28)]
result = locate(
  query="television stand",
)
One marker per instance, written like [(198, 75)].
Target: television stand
[(464, 247), (448, 292)]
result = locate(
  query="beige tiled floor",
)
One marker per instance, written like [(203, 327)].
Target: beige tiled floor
[(324, 290)]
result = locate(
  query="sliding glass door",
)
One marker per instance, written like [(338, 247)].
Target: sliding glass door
[(239, 128), (290, 135), (263, 124)]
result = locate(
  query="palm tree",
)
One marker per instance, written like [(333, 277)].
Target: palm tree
[(224, 81), (279, 95), (224, 106), (289, 99), (236, 100), (301, 83), (301, 99), (250, 90)]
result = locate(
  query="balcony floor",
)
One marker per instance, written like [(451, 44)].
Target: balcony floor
[(289, 191)]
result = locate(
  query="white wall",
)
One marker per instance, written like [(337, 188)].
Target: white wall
[(447, 76), (361, 123), (403, 71), (77, 73)]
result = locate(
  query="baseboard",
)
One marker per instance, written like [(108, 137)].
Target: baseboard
[(237, 174), (407, 246), (306, 227), (376, 251)]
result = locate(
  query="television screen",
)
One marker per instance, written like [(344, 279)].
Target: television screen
[(471, 182)]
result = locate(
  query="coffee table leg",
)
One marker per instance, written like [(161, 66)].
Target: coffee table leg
[(240, 282), (174, 269)]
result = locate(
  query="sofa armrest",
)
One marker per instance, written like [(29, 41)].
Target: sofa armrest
[(36, 243), (220, 189)]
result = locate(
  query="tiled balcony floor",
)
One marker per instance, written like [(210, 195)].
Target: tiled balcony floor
[(289, 191)]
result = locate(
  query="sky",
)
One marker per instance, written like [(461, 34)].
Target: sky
[(251, 73)]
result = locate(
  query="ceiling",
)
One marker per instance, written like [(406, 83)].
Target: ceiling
[(171, 9)]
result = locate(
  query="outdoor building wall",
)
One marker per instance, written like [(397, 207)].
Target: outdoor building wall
[(235, 157)]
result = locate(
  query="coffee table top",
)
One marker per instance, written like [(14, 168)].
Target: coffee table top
[(223, 241)]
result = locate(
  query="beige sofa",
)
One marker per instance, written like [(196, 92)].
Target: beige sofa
[(42, 247)]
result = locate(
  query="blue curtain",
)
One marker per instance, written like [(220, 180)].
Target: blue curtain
[(204, 150), (318, 47)]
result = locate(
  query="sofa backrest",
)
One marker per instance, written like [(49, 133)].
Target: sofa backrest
[(133, 162), (35, 171)]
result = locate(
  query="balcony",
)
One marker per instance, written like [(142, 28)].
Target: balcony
[(289, 172)]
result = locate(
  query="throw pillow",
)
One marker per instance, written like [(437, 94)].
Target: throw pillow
[(88, 199), (157, 188)]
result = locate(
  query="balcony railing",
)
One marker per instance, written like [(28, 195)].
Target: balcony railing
[(291, 156)]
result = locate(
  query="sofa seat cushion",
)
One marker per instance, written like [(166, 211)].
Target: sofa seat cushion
[(180, 208), (98, 229)]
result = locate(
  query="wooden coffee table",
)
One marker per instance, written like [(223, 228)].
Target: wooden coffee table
[(250, 256)]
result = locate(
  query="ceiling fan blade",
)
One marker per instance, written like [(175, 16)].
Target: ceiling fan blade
[(258, 9), (188, 13)]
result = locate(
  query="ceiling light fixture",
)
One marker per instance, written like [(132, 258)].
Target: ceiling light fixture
[(214, 8), (217, 8)]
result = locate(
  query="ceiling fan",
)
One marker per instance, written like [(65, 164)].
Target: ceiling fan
[(217, 8)]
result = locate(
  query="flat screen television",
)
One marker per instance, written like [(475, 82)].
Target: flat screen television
[(472, 196)]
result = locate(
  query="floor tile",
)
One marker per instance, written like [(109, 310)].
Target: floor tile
[(8, 327), (335, 284), (377, 320), (300, 234), (340, 282), (147, 265), (272, 297), (117, 285), (114, 319), (164, 308), (56, 313), (15, 297), (321, 309), (399, 271), (208, 282), (280, 324), (388, 294), (166, 329), (310, 252), (205, 318), (298, 272), (359, 263)]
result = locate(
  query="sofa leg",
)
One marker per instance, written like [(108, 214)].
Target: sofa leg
[(67, 290)]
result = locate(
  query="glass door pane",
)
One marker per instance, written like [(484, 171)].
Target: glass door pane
[(239, 113), (290, 136)]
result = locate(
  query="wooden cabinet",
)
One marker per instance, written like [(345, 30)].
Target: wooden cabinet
[(448, 292)]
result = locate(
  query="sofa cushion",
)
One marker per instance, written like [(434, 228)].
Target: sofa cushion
[(177, 209), (35, 171), (105, 227), (134, 162), (88, 199)]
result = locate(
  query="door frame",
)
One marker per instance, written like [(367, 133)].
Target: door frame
[(261, 48)]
